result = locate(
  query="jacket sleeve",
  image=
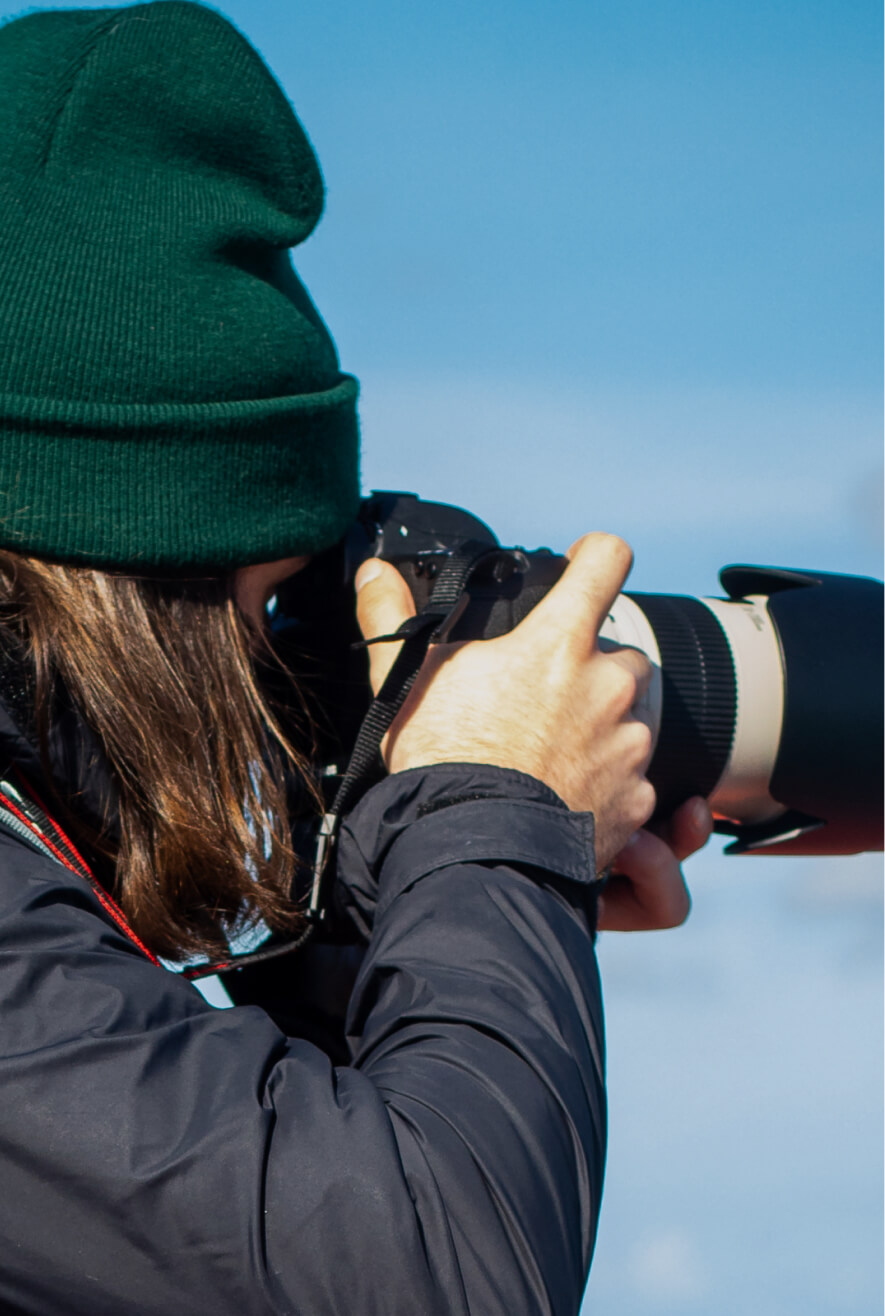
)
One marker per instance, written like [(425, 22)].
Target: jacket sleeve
[(163, 1156)]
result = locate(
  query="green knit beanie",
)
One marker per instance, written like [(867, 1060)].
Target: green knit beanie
[(169, 396)]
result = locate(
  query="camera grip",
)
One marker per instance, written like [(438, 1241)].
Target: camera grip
[(501, 595)]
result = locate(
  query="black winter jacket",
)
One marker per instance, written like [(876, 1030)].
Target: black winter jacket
[(161, 1156)]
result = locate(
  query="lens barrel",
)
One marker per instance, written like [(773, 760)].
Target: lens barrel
[(699, 698), (767, 701)]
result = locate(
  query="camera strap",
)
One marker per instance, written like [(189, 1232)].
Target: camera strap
[(432, 625)]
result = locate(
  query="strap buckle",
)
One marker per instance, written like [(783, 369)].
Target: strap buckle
[(327, 836)]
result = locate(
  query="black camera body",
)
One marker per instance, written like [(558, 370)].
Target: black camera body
[(767, 701)]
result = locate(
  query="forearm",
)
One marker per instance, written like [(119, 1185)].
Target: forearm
[(477, 1016)]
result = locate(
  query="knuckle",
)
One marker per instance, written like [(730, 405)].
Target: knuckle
[(631, 673), (643, 668), (623, 686), (637, 663), (642, 738), (644, 802)]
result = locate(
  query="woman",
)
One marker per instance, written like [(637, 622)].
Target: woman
[(175, 440)]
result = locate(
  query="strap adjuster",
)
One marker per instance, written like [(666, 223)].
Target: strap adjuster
[(326, 839)]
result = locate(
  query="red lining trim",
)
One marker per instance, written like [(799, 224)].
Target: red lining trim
[(205, 970), (108, 903), (67, 840)]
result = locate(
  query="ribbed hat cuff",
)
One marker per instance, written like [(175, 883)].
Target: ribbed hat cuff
[(173, 486)]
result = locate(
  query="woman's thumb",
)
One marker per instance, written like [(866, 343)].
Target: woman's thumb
[(383, 603)]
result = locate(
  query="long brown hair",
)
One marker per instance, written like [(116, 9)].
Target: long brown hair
[(163, 673)]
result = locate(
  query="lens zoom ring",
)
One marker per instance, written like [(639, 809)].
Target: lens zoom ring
[(699, 701)]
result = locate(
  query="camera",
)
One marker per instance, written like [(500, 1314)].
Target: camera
[(767, 701)]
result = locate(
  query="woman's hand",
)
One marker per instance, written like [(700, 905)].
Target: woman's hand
[(542, 699), (646, 889)]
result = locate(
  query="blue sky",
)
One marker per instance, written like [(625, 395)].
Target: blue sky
[(617, 263)]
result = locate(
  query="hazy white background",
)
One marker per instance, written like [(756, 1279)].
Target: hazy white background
[(616, 264)]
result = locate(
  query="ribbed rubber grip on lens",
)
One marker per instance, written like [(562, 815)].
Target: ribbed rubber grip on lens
[(699, 704)]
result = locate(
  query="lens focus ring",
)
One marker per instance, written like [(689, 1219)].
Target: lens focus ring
[(699, 698)]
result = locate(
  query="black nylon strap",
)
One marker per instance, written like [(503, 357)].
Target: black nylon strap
[(430, 626), (418, 633), (210, 970)]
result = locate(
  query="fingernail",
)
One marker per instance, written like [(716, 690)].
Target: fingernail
[(370, 570)]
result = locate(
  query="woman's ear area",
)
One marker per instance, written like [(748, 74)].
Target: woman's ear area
[(254, 585)]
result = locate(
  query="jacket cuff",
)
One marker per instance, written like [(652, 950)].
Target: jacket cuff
[(417, 822)]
